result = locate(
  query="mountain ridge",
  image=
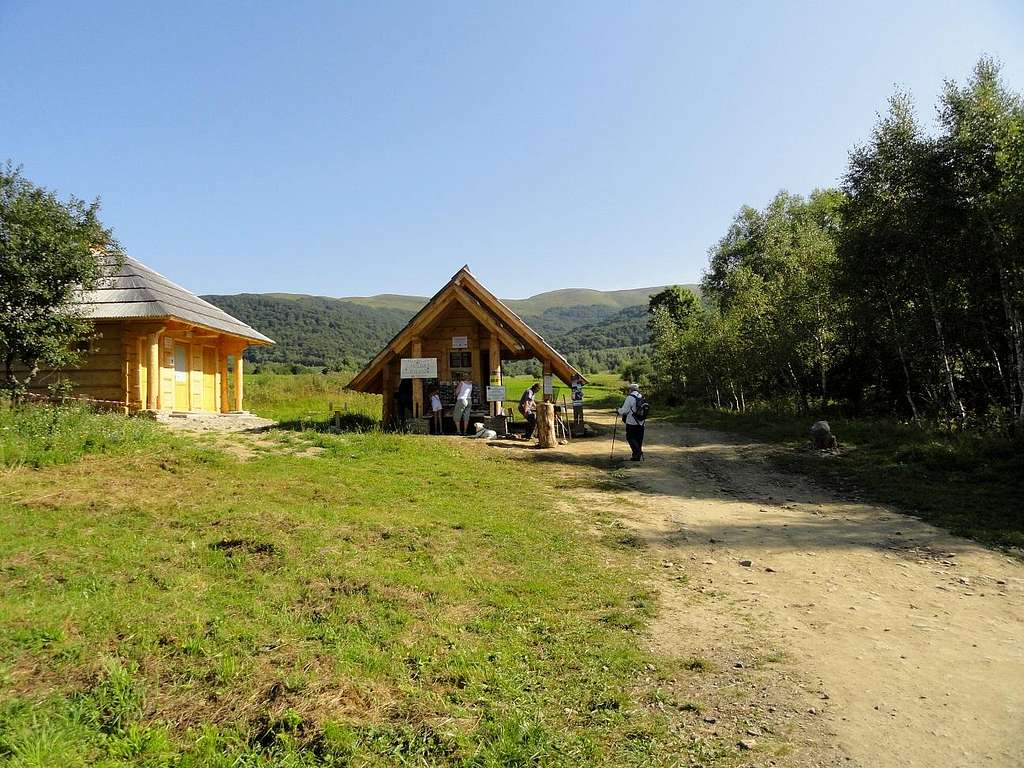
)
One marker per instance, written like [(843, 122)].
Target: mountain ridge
[(592, 327), (619, 298)]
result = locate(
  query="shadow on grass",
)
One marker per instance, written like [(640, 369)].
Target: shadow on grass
[(347, 422)]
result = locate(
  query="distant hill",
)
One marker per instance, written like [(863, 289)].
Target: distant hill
[(345, 332), (533, 306)]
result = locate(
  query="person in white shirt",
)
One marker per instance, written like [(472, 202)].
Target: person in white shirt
[(463, 397), (436, 411), (634, 425)]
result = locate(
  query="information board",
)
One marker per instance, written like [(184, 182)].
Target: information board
[(460, 342), (549, 384), (495, 394), (419, 368)]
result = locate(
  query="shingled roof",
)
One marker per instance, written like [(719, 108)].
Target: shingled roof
[(136, 291)]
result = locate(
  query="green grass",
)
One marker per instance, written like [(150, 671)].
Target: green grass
[(307, 398), (969, 484), (395, 601), (603, 391), (41, 435)]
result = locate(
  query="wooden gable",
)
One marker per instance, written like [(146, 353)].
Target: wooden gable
[(463, 303)]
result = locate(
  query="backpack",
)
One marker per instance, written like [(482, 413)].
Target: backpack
[(641, 408)]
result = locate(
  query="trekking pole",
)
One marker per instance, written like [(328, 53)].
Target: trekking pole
[(615, 429)]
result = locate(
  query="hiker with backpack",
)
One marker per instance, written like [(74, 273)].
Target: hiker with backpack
[(634, 412)]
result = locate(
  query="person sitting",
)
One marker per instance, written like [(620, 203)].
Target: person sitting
[(528, 409)]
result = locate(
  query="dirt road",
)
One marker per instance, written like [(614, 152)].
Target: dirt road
[(898, 644)]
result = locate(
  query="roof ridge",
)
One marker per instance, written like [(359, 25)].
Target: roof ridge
[(133, 289)]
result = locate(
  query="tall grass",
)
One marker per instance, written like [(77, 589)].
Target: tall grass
[(308, 398), (37, 435)]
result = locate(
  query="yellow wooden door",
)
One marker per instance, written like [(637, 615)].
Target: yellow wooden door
[(181, 393), (209, 379)]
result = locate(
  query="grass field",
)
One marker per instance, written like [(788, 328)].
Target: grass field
[(392, 600), (308, 399), (603, 391)]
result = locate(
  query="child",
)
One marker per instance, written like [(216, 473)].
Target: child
[(436, 412)]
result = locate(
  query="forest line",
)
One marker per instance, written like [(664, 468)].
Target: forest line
[(901, 292)]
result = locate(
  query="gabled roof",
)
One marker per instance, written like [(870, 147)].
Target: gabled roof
[(464, 289), (136, 291)]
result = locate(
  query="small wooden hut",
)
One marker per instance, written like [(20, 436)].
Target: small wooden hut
[(464, 331), (157, 347)]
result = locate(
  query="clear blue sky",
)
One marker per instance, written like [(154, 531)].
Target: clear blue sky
[(356, 148)]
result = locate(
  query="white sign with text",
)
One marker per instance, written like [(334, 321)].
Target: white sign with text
[(419, 368)]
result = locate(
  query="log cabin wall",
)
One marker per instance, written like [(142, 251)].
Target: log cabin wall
[(101, 375), (116, 368)]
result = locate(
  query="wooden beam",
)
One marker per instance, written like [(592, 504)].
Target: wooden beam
[(419, 323), (494, 351), (387, 414), (541, 348), (222, 385), (153, 373), (140, 361), (127, 363), (487, 320), (417, 384), (239, 380)]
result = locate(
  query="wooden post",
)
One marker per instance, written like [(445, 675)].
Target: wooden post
[(495, 355), (546, 425), (126, 362), (387, 414), (239, 379), (417, 384), (222, 367), (140, 361), (153, 386)]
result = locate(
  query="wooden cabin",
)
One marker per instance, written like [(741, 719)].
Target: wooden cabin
[(157, 347), (464, 331)]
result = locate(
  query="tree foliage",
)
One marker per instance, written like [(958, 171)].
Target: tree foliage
[(49, 250), (903, 291)]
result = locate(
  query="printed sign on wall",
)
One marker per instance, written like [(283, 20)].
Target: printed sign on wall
[(460, 342), (419, 368), (549, 384), (495, 394)]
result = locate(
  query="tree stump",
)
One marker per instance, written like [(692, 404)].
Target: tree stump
[(546, 425)]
